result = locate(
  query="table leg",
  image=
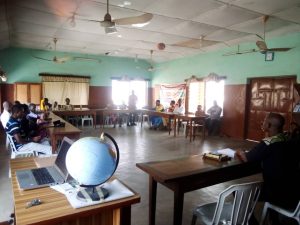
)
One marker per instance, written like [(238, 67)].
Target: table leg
[(191, 129), (178, 207), (125, 215), (152, 200), (175, 126)]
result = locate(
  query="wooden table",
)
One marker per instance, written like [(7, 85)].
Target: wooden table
[(56, 209), (58, 133), (167, 115), (189, 174), (78, 112)]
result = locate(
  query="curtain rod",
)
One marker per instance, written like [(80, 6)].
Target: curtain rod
[(63, 75)]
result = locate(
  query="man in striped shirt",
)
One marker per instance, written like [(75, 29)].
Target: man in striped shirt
[(13, 129)]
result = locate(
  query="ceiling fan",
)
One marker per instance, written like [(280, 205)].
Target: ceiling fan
[(240, 52), (261, 44), (55, 58), (66, 58), (110, 25)]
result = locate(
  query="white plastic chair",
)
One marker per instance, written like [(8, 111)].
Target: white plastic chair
[(288, 213), (235, 206), (87, 118), (15, 153)]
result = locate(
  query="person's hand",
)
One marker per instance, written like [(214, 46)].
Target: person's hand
[(239, 154), (36, 138)]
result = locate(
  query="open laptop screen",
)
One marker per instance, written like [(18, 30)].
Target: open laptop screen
[(60, 161)]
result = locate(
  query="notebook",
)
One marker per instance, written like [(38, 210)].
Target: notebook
[(46, 176)]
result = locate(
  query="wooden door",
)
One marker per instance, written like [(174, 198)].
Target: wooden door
[(21, 92), (266, 95), (35, 93), (28, 92)]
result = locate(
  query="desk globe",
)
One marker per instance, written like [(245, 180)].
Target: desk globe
[(91, 161)]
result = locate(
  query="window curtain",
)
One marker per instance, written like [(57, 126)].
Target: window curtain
[(58, 88)]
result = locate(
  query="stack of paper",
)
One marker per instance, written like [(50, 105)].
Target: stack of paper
[(115, 189), (226, 151)]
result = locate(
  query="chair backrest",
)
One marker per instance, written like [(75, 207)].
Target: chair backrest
[(15, 153), (244, 196), (11, 143)]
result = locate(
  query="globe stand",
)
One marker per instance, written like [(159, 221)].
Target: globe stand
[(92, 194)]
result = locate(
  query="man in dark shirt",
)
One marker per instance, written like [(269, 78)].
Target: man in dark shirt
[(13, 128), (280, 163)]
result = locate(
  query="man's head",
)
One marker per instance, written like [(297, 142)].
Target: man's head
[(172, 102), (17, 111), (215, 103), (199, 107), (157, 103), (32, 107), (6, 106), (273, 124), (67, 101), (179, 101)]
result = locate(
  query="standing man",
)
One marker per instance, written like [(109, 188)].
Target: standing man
[(13, 129), (213, 121), (132, 101)]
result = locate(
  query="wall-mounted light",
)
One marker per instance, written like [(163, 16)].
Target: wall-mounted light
[(3, 76)]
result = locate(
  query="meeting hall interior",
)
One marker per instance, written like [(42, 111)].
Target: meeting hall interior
[(181, 90)]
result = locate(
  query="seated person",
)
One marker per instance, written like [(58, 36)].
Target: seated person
[(280, 160), (13, 128), (157, 121), (172, 106), (179, 108), (45, 105), (42, 123), (68, 105), (200, 111), (213, 121), (5, 115), (55, 106)]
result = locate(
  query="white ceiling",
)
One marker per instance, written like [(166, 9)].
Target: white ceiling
[(187, 27)]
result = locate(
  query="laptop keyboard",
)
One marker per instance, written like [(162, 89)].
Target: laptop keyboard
[(42, 176)]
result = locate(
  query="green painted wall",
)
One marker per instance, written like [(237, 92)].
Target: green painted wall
[(20, 66), (237, 68)]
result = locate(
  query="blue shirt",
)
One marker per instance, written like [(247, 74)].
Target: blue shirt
[(12, 128)]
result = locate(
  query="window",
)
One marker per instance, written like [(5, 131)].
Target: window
[(122, 89), (214, 91), (196, 95), (204, 93)]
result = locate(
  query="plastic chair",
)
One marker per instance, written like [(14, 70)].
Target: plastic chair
[(291, 214), (235, 206), (15, 153), (87, 118)]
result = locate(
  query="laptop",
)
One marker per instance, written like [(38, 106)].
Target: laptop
[(46, 176)]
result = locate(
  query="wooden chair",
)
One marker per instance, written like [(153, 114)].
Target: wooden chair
[(196, 127)]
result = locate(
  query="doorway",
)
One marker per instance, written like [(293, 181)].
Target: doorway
[(265, 95)]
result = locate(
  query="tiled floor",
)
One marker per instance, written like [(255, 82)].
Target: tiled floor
[(139, 145)]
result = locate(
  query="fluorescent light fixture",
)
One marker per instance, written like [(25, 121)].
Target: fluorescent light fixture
[(140, 24), (3, 76), (110, 30)]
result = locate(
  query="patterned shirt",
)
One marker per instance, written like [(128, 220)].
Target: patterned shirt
[(12, 128)]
